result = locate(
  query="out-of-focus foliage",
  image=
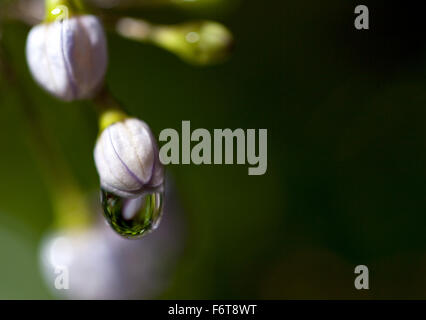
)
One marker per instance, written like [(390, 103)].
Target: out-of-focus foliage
[(345, 181)]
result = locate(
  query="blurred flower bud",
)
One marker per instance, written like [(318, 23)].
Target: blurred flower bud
[(201, 43), (96, 263), (68, 56), (127, 159)]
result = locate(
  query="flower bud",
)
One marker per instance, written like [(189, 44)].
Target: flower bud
[(127, 159), (68, 57), (199, 43)]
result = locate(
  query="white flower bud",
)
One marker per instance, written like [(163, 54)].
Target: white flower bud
[(68, 58), (127, 160)]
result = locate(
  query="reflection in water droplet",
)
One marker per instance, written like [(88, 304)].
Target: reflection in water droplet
[(132, 218)]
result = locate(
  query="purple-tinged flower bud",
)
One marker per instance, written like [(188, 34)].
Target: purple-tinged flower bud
[(68, 57), (127, 159)]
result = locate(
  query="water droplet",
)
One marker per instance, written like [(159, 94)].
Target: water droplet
[(132, 218)]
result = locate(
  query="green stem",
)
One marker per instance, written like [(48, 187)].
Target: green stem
[(68, 201), (109, 109), (62, 9)]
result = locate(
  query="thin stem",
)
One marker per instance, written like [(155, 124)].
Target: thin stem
[(68, 201), (104, 101), (108, 108)]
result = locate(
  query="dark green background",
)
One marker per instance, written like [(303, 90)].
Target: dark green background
[(345, 113)]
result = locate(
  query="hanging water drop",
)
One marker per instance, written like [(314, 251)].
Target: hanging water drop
[(132, 218)]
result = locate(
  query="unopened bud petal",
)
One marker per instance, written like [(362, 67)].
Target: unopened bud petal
[(68, 58), (127, 160)]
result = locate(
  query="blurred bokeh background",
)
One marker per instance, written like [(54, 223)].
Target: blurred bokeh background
[(345, 185)]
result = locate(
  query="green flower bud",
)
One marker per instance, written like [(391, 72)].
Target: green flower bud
[(199, 43)]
